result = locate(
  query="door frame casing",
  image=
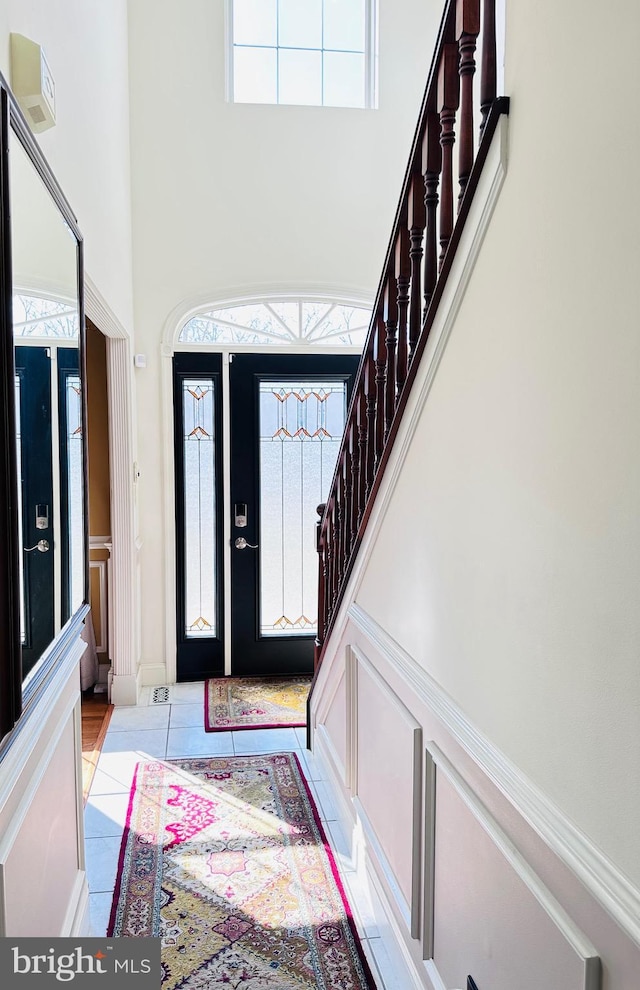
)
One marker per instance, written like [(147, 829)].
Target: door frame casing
[(124, 611), (166, 672)]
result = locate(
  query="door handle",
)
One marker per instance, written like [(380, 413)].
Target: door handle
[(41, 545), (241, 544)]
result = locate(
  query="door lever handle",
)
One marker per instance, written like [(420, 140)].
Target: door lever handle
[(241, 544), (41, 545)]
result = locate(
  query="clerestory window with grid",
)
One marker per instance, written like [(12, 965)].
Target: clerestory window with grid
[(304, 52)]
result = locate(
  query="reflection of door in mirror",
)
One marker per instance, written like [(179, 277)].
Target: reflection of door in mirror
[(49, 409), (35, 471)]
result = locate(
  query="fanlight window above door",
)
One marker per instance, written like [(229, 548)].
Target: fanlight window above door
[(291, 321), (36, 316)]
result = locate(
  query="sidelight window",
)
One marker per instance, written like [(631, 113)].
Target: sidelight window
[(199, 459)]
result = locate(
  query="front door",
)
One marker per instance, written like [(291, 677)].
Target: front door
[(287, 419), (36, 515), (49, 411)]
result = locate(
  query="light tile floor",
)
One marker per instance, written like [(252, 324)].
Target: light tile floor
[(176, 729)]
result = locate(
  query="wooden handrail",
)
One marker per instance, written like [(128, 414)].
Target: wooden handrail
[(424, 239)]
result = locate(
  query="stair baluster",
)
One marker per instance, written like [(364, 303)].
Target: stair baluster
[(380, 357), (414, 276), (488, 71), (417, 222), (431, 167), (322, 587), (403, 280), (467, 30), (448, 96), (390, 316)]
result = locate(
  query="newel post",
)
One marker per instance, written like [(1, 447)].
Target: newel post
[(322, 589)]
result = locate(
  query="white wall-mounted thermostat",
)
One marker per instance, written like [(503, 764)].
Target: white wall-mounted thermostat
[(32, 83)]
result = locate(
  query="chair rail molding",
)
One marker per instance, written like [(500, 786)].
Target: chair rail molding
[(601, 877)]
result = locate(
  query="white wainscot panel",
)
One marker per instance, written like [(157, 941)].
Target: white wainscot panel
[(330, 717), (39, 855), (386, 783), (335, 724), (491, 917)]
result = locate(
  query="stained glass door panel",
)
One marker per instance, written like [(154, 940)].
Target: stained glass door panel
[(301, 425), (199, 447), (287, 418)]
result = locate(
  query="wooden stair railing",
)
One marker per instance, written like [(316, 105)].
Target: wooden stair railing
[(424, 239)]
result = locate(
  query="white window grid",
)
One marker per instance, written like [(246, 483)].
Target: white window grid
[(370, 58)]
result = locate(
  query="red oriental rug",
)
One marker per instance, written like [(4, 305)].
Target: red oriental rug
[(255, 703), (225, 859)]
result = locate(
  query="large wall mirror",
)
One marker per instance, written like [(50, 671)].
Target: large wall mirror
[(44, 416)]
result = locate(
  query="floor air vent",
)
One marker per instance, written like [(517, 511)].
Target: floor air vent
[(160, 696)]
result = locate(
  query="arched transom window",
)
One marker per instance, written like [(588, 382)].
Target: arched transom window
[(290, 321), (37, 316)]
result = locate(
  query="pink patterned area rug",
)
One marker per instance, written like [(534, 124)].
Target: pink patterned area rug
[(225, 859), (255, 703)]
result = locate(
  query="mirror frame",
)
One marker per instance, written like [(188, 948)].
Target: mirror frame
[(14, 702)]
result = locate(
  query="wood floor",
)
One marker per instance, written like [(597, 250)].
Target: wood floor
[(96, 712)]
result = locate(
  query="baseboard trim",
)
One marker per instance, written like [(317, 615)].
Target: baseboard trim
[(124, 689), (604, 881), (153, 674), (435, 979), (77, 922)]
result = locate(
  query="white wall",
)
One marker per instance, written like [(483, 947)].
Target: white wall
[(44, 892), (508, 564), (85, 42), (229, 196)]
